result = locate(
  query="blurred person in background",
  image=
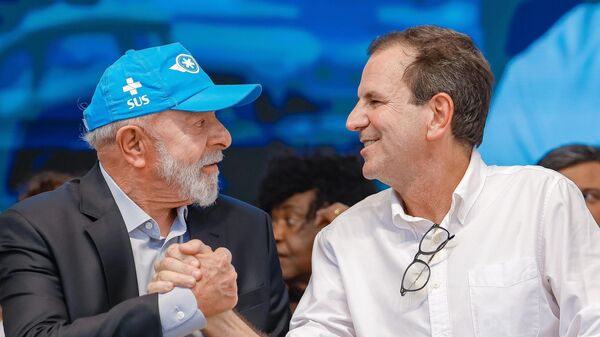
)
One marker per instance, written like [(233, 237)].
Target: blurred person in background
[(303, 195), (43, 182), (581, 164)]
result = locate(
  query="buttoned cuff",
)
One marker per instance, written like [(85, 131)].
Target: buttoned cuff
[(179, 313)]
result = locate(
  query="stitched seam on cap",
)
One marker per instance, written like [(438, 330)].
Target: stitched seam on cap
[(107, 96), (156, 74)]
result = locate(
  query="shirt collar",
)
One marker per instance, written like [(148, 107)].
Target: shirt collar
[(466, 193), (463, 198), (133, 215)]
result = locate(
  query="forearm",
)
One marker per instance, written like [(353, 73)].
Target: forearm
[(229, 324)]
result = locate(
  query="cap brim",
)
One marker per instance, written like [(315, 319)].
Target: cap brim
[(218, 97)]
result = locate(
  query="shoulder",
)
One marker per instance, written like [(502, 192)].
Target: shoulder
[(534, 186), (46, 219), (525, 177), (362, 218), (48, 205)]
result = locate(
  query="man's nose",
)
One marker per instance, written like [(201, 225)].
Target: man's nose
[(221, 137), (357, 119)]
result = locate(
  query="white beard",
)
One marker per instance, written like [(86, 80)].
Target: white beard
[(201, 188)]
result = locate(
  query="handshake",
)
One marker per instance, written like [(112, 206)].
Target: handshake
[(209, 274)]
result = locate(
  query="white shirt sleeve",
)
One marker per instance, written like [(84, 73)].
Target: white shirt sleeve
[(570, 241), (179, 313), (323, 310)]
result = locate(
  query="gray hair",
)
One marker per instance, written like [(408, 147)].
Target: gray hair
[(106, 134)]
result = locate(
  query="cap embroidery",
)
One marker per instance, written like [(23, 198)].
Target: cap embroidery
[(186, 64), (132, 86)]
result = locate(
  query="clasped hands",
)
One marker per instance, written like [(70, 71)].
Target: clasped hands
[(209, 274)]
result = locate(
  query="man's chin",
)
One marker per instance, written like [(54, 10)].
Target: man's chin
[(369, 172), (205, 202)]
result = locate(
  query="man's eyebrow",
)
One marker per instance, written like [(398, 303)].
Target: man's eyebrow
[(373, 95)]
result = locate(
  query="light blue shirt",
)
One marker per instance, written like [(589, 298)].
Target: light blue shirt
[(179, 313)]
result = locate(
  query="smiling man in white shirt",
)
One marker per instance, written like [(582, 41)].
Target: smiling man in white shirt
[(454, 247)]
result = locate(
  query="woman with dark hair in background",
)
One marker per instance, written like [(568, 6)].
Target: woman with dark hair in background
[(303, 195)]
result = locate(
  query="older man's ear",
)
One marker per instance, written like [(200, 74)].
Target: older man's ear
[(134, 145)]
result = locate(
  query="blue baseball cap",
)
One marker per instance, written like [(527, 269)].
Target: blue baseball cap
[(152, 80)]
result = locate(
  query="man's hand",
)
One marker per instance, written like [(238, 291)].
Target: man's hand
[(179, 267), (325, 216), (216, 291), (209, 275)]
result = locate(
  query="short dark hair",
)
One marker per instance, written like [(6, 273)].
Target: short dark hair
[(446, 61), (570, 155), (334, 178)]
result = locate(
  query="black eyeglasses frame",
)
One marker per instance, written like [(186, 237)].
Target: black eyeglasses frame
[(431, 254)]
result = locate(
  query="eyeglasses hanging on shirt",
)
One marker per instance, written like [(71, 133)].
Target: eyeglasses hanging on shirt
[(418, 271)]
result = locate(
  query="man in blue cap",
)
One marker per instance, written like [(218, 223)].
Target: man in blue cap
[(77, 261)]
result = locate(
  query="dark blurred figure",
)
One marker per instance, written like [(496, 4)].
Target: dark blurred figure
[(303, 195), (581, 164), (43, 182)]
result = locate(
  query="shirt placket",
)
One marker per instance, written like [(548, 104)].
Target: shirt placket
[(438, 298)]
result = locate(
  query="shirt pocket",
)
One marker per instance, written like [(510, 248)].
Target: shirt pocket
[(505, 299)]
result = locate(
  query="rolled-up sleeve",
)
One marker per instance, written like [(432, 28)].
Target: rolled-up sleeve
[(179, 313)]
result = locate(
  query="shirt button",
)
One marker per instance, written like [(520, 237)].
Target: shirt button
[(180, 315), (148, 225), (435, 285)]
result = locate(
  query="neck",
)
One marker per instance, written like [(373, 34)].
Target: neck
[(428, 194), (149, 192)]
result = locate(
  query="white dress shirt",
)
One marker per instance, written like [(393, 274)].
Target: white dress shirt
[(179, 313), (525, 262)]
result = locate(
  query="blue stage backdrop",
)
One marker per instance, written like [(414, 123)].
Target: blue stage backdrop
[(307, 54)]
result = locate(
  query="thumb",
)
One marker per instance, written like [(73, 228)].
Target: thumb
[(194, 247)]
